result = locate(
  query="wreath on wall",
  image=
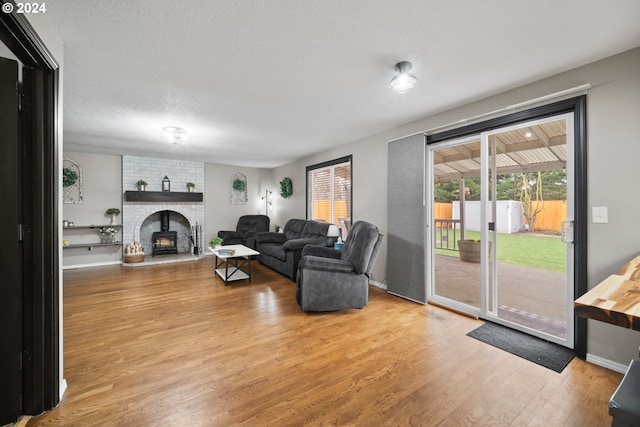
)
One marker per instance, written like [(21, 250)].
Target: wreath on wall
[(286, 187), (69, 177), (239, 185)]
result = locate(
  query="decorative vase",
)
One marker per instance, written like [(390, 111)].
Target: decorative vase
[(107, 239), (113, 219), (190, 189), (141, 187)]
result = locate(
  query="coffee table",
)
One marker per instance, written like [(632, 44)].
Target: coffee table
[(231, 266)]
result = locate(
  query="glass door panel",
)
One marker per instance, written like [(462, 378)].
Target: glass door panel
[(529, 269), (454, 222)]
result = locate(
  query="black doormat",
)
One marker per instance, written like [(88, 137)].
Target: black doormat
[(544, 353)]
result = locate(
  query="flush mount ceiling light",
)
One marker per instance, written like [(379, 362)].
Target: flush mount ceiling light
[(404, 80), (173, 134)]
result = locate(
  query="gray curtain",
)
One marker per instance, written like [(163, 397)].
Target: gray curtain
[(406, 216)]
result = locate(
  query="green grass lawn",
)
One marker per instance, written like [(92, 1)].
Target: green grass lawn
[(544, 252)]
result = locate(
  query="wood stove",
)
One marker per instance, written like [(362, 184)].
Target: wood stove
[(164, 242)]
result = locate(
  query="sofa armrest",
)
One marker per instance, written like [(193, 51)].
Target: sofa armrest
[(270, 237), (326, 264), (299, 244), (322, 251)]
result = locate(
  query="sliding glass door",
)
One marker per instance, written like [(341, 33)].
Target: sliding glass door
[(500, 223)]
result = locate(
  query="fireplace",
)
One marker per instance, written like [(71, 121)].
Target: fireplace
[(164, 242)]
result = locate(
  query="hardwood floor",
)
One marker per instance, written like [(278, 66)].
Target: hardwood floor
[(172, 346)]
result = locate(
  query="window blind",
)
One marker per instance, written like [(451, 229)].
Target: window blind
[(329, 193)]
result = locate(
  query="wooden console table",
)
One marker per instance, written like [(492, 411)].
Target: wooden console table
[(616, 299)]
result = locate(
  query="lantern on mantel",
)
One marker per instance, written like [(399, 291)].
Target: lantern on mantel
[(166, 184)]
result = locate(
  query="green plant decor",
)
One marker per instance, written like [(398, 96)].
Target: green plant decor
[(113, 211), (286, 187), (191, 184), (141, 182), (69, 177), (239, 185), (215, 242)]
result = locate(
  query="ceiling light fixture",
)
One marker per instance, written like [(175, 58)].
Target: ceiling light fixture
[(404, 80), (173, 134)]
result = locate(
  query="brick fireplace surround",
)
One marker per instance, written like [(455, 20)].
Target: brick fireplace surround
[(153, 171)]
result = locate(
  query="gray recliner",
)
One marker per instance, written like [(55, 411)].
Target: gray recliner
[(246, 230), (331, 280)]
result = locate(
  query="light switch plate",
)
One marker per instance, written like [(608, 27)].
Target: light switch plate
[(599, 215)]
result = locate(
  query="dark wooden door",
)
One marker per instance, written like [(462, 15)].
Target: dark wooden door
[(10, 250)]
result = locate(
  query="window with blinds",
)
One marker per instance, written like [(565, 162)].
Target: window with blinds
[(329, 193)]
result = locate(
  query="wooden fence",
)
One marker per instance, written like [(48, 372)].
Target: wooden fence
[(322, 210), (549, 219)]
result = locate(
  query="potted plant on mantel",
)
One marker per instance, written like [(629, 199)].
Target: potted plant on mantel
[(142, 184), (191, 186), (113, 212)]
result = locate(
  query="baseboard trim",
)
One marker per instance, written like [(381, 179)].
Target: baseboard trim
[(378, 284), (93, 264), (606, 363), (63, 387)]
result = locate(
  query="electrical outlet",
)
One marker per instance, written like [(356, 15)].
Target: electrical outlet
[(599, 215)]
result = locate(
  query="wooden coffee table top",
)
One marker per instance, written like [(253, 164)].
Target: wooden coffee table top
[(616, 299)]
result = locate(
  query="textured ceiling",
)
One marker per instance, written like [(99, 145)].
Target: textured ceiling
[(262, 83)]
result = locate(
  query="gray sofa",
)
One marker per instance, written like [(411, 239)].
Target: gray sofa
[(282, 251), (330, 280)]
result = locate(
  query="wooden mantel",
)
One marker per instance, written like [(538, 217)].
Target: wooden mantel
[(162, 196), (616, 299)]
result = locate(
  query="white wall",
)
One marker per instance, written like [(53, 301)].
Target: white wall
[(369, 172), (614, 150), (220, 214), (101, 189), (613, 137)]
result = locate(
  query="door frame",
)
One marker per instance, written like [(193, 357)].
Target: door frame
[(576, 105), (39, 178)]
